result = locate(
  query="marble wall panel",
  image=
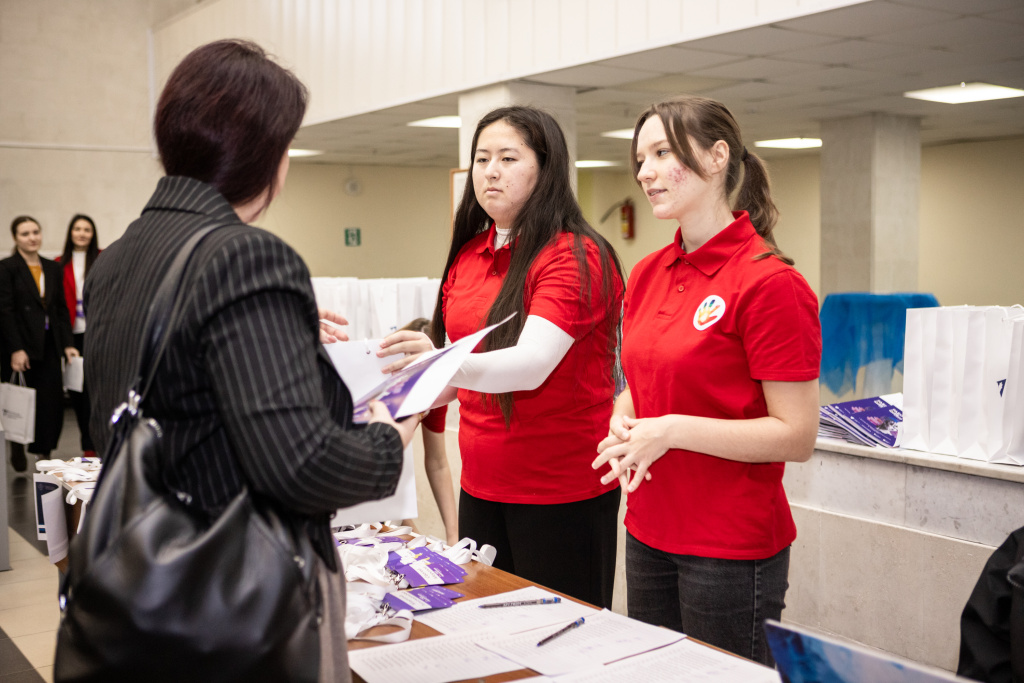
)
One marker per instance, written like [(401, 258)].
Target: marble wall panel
[(965, 507), (892, 588), (861, 487)]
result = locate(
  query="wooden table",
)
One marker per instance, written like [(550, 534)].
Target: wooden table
[(480, 582)]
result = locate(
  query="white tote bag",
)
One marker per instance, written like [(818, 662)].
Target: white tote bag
[(18, 410), (398, 506), (1013, 395)]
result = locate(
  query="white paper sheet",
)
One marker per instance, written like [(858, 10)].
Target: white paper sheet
[(603, 638), (406, 392), (358, 365), (429, 660), (466, 616), (684, 660)]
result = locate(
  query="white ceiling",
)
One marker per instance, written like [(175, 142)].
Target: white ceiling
[(779, 80)]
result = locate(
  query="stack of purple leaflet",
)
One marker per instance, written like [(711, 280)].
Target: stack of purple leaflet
[(418, 599), (868, 421), (424, 567)]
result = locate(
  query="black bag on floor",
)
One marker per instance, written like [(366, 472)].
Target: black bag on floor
[(155, 591)]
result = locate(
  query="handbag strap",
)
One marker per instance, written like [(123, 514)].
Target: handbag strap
[(159, 318)]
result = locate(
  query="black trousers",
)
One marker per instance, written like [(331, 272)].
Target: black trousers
[(45, 377), (569, 547), (80, 401)]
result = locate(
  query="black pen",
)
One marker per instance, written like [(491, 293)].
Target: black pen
[(575, 624), (517, 603)]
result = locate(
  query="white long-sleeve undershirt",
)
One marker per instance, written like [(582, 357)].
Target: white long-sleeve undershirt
[(541, 347)]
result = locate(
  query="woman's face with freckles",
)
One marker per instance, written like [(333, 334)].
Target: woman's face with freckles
[(504, 172), (672, 188)]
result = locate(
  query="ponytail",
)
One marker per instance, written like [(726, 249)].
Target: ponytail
[(755, 198)]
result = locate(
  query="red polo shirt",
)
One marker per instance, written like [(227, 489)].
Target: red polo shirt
[(544, 458), (701, 331)]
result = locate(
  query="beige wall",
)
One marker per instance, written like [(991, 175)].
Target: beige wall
[(402, 213), (75, 112), (972, 233)]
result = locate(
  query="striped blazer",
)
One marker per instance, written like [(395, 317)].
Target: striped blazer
[(245, 392)]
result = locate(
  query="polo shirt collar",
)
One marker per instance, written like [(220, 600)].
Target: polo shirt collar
[(488, 244), (714, 253)]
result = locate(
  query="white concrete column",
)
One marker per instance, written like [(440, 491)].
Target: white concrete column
[(559, 101), (870, 187)]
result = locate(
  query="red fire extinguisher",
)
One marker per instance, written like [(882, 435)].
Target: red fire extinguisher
[(626, 218)]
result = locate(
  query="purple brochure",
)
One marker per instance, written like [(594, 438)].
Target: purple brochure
[(418, 599), (423, 567)]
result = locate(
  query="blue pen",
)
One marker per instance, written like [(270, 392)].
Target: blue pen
[(561, 631)]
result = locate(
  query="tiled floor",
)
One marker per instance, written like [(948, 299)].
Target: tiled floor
[(28, 592)]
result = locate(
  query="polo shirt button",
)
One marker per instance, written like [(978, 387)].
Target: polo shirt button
[(686, 262), (494, 272), (680, 288)]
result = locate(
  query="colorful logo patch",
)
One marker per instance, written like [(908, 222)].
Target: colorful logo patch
[(709, 312)]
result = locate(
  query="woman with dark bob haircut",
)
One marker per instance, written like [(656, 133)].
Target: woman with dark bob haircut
[(245, 393), (536, 402), (720, 347)]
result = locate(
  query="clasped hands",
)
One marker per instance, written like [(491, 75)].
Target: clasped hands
[(631, 447)]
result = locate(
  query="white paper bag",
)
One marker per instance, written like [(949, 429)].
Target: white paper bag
[(941, 395), (1013, 396), (74, 374), (18, 410), (970, 382), (917, 362), (401, 505), (51, 523)]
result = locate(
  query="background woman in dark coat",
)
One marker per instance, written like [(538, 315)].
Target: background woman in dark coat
[(34, 332)]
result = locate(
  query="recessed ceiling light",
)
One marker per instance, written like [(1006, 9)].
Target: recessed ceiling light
[(965, 92), (438, 122), (622, 134), (305, 152), (789, 143), (594, 163)]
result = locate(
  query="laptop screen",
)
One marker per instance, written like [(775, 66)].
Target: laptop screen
[(806, 657)]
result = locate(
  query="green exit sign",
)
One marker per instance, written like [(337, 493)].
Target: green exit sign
[(352, 237)]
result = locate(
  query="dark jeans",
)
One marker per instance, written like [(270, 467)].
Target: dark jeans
[(569, 547), (722, 602)]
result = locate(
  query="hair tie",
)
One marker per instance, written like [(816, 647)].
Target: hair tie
[(743, 157)]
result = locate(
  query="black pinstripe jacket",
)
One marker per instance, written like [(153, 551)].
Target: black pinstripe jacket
[(245, 392)]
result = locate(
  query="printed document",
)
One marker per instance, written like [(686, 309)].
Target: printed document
[(684, 660), (429, 660), (604, 637)]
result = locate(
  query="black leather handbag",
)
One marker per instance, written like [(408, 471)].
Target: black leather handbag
[(155, 591)]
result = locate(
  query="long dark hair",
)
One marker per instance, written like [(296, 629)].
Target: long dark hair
[(550, 210), (227, 116), (91, 251), (708, 121)]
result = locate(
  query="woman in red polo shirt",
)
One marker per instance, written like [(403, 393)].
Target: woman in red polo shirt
[(536, 402), (721, 349)]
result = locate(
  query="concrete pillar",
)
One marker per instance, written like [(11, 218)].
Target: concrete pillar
[(870, 185), (559, 101)]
